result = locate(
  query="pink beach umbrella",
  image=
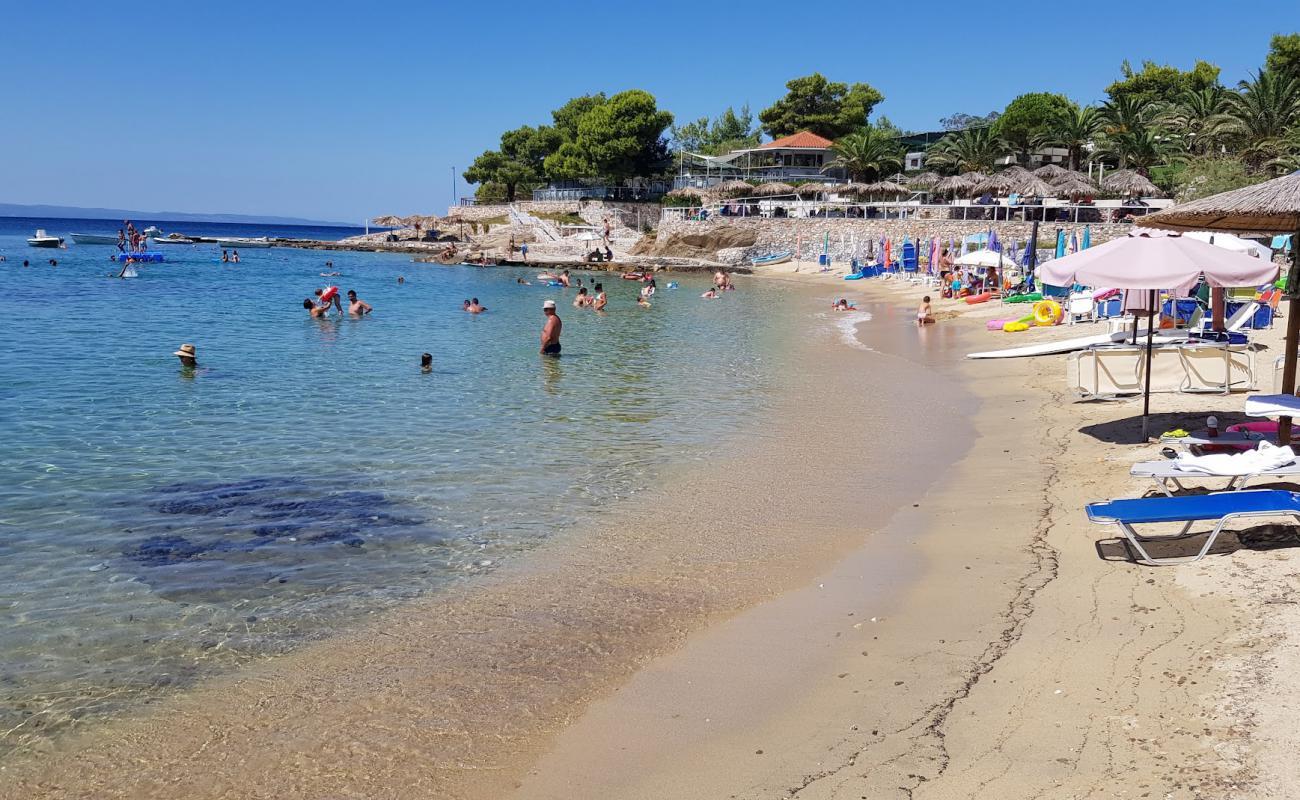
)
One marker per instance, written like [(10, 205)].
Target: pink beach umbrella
[(1154, 260)]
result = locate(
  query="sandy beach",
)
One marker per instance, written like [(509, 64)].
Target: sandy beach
[(891, 591)]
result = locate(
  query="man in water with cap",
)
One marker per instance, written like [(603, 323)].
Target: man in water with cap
[(551, 330)]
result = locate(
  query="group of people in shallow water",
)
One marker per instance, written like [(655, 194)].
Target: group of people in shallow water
[(328, 299)]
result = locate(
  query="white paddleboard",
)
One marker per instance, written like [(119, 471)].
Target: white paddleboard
[(1070, 345)]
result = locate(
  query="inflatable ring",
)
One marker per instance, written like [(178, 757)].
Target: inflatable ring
[(1047, 312), (983, 297), (329, 293)]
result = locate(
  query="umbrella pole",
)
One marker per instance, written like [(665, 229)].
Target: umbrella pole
[(1292, 336), (1146, 394)]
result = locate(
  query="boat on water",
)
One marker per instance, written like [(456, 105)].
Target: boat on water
[(43, 239), (772, 258), (260, 241), (93, 238), (175, 238)]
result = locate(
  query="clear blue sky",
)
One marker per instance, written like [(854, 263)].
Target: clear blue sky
[(342, 111)]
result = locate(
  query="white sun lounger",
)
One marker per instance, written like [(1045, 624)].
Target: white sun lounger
[(1165, 473)]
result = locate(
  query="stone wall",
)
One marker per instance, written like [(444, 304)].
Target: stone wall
[(847, 235), (592, 211)]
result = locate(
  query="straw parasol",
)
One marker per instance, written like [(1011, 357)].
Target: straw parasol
[(773, 189), (388, 221), (952, 184), (1004, 181), (925, 180), (1050, 172), (1073, 187), (974, 176), (733, 189), (687, 193), (854, 189), (886, 187), (1269, 207), (1034, 186), (813, 189), (1129, 182)]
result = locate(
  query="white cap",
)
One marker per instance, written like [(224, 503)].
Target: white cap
[(548, 304)]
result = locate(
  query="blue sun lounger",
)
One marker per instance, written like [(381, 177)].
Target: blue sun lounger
[(1189, 509)]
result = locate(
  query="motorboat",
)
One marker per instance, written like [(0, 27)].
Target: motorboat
[(235, 244), (175, 238), (150, 231), (43, 239), (93, 238)]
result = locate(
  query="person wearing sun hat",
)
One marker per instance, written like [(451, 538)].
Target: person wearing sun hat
[(188, 356), (551, 330)]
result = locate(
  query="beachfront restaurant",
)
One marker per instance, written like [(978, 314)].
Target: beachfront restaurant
[(798, 158)]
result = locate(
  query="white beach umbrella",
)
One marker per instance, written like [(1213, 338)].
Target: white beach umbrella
[(1234, 243), (982, 258)]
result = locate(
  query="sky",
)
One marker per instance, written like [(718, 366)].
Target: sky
[(343, 111)]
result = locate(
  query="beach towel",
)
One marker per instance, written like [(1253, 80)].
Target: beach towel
[(1273, 405), (1248, 462)]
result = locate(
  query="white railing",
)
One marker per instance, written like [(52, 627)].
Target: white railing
[(797, 208)]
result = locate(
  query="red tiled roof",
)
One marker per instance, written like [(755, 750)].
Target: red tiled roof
[(801, 139)]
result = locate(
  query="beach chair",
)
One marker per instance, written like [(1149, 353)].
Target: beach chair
[(1190, 509), (1166, 474)]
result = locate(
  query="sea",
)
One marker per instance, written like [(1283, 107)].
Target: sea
[(159, 526)]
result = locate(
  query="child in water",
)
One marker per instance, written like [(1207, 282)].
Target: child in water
[(642, 301), (711, 294)]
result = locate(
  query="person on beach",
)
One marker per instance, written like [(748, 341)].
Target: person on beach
[(426, 362), (609, 254), (582, 299), (945, 260), (606, 223), (475, 307), (551, 329), (357, 308), (599, 303), (925, 313), (524, 249), (317, 312)]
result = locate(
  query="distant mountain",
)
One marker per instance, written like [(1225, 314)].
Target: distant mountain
[(76, 212)]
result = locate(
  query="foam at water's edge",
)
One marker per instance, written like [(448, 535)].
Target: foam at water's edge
[(846, 323)]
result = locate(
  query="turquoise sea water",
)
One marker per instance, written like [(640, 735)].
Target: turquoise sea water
[(156, 526)]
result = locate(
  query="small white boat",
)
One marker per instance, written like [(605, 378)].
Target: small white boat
[(174, 238), (235, 244), (93, 238), (150, 231), (42, 239)]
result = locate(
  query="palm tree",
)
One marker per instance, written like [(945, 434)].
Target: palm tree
[(1200, 114), (972, 149), (1074, 128), (1262, 114), (1125, 113), (866, 155), (1140, 149)]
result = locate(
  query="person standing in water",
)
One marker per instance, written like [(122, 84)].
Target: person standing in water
[(357, 308), (601, 300), (188, 356), (234, 257), (551, 329)]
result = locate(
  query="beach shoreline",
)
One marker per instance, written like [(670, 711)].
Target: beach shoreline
[(943, 631)]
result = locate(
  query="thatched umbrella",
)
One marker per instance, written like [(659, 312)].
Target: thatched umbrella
[(388, 221), (813, 189), (973, 177), (1034, 186), (733, 189), (1129, 182), (1050, 172), (1000, 183), (1269, 207), (953, 184), (773, 189), (1073, 188), (854, 189), (887, 187), (687, 193), (925, 180)]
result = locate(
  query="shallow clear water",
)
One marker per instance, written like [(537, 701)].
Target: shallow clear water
[(157, 526)]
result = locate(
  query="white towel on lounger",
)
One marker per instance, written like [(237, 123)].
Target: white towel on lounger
[(1248, 462)]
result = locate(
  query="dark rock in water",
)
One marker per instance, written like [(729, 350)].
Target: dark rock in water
[(160, 550)]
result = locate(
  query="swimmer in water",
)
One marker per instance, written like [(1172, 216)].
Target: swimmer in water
[(426, 362), (475, 307), (711, 294), (551, 330), (465, 305), (649, 288), (601, 300), (335, 301), (188, 356), (582, 299), (642, 301), (400, 279), (357, 308), (564, 279), (843, 305), (522, 282), (317, 312)]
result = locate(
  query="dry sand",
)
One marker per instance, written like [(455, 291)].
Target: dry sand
[(907, 603)]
